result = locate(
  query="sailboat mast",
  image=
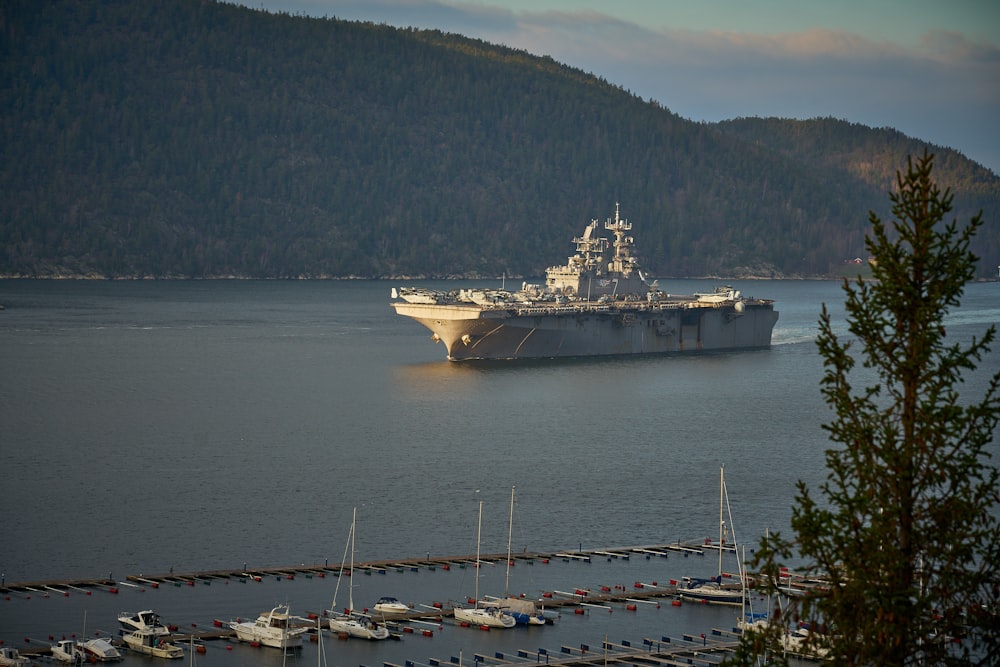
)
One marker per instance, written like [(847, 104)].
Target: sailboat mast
[(722, 487), (510, 534), (350, 589), (479, 534)]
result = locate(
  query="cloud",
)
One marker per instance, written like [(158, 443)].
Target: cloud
[(943, 90)]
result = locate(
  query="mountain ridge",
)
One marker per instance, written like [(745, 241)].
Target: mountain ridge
[(195, 139)]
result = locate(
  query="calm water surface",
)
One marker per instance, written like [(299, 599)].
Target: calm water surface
[(203, 425)]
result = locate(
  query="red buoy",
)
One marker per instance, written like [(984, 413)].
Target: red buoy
[(578, 611), (427, 633), (676, 603), (630, 607)]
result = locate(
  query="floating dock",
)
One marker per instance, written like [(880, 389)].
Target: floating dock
[(206, 577)]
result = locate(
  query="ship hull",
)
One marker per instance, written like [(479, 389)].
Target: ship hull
[(473, 332)]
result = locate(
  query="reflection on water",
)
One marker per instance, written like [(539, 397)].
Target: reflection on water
[(247, 409)]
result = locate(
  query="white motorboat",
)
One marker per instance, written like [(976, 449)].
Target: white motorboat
[(351, 622), (11, 656), (142, 621), (489, 617), (150, 643), (67, 652), (271, 628), (388, 606), (100, 650)]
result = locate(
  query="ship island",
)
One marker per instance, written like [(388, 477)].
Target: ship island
[(598, 304)]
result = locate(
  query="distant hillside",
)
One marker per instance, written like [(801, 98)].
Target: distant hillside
[(188, 138)]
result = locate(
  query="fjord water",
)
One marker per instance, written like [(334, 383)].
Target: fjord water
[(206, 425)]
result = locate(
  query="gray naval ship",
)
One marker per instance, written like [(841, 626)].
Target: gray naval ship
[(598, 303)]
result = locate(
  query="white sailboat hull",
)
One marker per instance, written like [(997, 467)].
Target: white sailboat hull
[(485, 617), (359, 627)]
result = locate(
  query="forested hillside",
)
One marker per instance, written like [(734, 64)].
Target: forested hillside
[(188, 138)]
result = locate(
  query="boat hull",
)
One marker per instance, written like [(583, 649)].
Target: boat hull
[(490, 618), (390, 610), (359, 628), (153, 645), (248, 633), (473, 332), (709, 597)]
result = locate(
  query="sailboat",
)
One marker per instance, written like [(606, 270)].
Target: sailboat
[(524, 611), (797, 641), (711, 590), (349, 621), (490, 617)]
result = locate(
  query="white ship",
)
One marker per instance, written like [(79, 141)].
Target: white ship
[(597, 304)]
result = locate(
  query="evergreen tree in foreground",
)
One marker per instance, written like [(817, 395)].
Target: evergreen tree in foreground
[(907, 536)]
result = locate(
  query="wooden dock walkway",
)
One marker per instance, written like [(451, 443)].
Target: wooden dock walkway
[(206, 577), (686, 650)]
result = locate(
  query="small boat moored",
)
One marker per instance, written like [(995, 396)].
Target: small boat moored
[(67, 652), (387, 606), (480, 616), (100, 650), (351, 622), (271, 628), (11, 656), (153, 644), (711, 590), (142, 621)]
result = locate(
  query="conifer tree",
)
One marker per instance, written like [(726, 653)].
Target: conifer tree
[(906, 538)]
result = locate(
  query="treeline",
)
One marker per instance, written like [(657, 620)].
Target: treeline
[(189, 138)]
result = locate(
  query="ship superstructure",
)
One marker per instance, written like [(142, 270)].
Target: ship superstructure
[(598, 303)]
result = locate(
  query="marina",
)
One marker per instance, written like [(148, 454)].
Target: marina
[(431, 619)]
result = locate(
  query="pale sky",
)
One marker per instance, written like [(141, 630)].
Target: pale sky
[(928, 68)]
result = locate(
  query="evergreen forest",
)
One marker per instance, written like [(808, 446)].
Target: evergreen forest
[(199, 139)]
